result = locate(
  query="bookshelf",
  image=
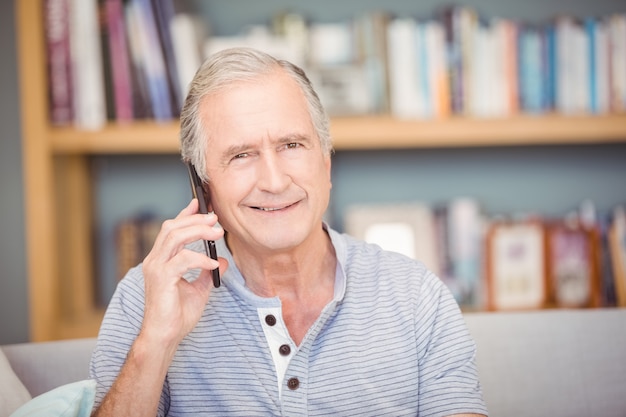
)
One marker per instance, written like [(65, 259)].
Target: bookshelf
[(58, 199)]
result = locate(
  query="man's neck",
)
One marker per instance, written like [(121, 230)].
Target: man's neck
[(298, 272)]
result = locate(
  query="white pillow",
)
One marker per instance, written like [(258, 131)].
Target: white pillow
[(71, 400), (12, 392)]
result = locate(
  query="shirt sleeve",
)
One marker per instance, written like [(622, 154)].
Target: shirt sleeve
[(119, 329), (449, 382)]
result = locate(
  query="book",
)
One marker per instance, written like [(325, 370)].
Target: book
[(617, 42), (188, 35), (142, 107), (467, 27), (405, 96), (465, 238), (119, 59), (107, 71), (59, 64), (164, 14), (371, 46), (449, 17), (607, 280), (531, 77), (617, 245), (504, 83), (134, 238), (549, 67), (437, 75), (149, 53), (87, 69), (571, 66)]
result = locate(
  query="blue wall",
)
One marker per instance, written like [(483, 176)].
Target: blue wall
[(547, 180)]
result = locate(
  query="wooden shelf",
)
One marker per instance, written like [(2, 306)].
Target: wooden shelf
[(389, 133), (140, 137), (374, 132)]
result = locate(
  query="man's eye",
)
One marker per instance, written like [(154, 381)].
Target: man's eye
[(292, 145), (241, 155)]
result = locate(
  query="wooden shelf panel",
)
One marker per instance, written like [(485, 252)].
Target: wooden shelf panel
[(386, 132), (139, 137), (372, 132)]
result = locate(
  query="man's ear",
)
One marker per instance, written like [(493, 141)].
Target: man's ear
[(207, 196), (328, 164)]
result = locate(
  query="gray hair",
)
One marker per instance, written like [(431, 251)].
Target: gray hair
[(221, 70)]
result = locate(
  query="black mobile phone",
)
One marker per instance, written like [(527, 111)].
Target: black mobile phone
[(203, 198)]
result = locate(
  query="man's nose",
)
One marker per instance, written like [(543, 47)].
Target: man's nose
[(273, 176)]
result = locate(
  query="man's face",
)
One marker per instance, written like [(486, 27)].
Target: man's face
[(269, 179)]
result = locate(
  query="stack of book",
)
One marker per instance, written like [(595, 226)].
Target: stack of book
[(497, 67), (117, 60), (130, 59)]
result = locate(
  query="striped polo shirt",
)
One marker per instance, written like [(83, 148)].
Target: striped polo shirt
[(392, 342)]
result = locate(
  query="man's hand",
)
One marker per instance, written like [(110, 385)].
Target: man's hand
[(173, 307), (173, 304)]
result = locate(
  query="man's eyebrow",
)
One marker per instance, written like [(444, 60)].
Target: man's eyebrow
[(236, 149), (243, 147), (294, 137)]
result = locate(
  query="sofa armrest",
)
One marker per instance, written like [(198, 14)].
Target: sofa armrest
[(47, 365)]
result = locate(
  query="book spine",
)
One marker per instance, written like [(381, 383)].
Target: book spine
[(164, 14), (549, 68), (581, 67), (564, 79), (119, 59), (107, 71), (450, 21), (152, 58), (402, 68), (591, 35), (424, 87), (617, 29), (371, 41), (602, 70), (87, 68), (500, 79), (188, 33), (531, 86), (142, 108), (437, 72), (59, 71)]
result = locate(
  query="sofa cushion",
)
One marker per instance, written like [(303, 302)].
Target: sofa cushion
[(12, 392), (69, 400), (558, 363), (47, 365)]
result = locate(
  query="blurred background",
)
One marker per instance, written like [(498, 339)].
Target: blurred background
[(547, 181)]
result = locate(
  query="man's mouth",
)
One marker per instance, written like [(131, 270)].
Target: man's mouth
[(268, 209)]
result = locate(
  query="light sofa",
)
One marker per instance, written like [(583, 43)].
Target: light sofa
[(552, 363)]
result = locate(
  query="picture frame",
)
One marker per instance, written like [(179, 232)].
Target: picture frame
[(406, 228), (516, 265), (572, 265)]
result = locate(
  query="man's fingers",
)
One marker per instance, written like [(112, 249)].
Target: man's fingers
[(192, 208), (223, 265)]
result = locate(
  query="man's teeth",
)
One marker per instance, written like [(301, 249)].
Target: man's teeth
[(270, 208)]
